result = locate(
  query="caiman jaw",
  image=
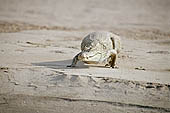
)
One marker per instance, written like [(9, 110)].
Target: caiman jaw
[(85, 57)]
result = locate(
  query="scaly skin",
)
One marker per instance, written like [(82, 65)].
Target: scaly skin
[(99, 47)]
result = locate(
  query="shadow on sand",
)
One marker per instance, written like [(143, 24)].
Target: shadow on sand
[(61, 64)]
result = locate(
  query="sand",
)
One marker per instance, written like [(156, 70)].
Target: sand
[(38, 39)]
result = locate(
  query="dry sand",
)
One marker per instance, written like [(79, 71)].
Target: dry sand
[(38, 39)]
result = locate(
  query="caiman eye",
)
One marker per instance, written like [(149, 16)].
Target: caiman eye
[(88, 50), (86, 47)]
